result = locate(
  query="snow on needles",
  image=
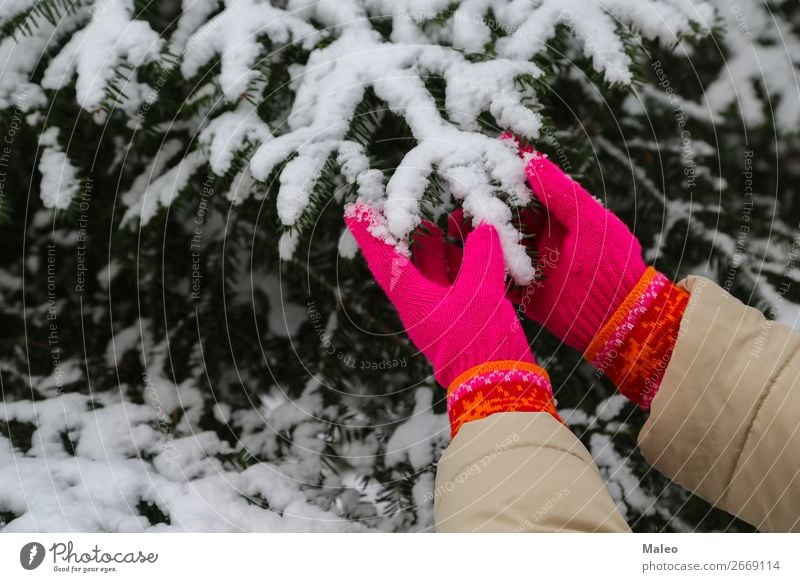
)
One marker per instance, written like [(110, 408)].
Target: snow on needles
[(480, 48), (236, 35), (112, 37), (92, 464), (749, 63), (59, 178)]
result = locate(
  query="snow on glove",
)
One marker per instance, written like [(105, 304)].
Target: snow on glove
[(462, 322), (596, 292)]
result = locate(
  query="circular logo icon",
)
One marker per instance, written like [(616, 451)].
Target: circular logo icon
[(31, 555)]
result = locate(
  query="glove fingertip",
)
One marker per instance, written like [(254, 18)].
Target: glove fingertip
[(483, 254), (358, 214), (539, 165)]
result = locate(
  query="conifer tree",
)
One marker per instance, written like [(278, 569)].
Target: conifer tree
[(187, 326)]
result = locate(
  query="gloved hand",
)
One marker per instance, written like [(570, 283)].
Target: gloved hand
[(593, 290), (589, 260), (457, 320), (596, 293), (455, 310)]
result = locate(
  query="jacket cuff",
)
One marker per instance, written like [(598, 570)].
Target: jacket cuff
[(724, 423), (635, 346), (501, 386)]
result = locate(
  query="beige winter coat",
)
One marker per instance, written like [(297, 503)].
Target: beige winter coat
[(725, 424)]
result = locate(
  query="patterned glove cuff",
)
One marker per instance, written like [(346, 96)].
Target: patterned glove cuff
[(635, 346), (502, 386)]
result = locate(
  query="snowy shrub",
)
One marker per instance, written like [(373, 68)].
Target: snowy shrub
[(184, 326)]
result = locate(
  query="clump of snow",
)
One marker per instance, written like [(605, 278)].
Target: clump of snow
[(19, 57), (419, 438), (120, 456), (231, 132), (761, 50), (59, 177), (111, 38), (298, 178), (235, 34), (162, 190), (610, 408), (348, 247), (123, 341), (622, 483), (287, 244), (194, 13)]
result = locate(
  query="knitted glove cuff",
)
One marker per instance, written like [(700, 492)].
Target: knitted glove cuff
[(501, 386), (603, 297), (509, 347), (635, 346)]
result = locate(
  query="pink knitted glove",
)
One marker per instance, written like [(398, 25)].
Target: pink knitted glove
[(596, 292), (588, 258), (458, 324), (454, 308)]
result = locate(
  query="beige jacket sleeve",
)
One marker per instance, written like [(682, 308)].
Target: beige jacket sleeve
[(521, 472), (725, 422)]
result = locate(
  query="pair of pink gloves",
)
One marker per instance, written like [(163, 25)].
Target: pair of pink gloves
[(455, 306)]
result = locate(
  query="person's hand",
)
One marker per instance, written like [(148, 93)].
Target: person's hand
[(456, 313), (454, 307), (588, 260), (594, 290)]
